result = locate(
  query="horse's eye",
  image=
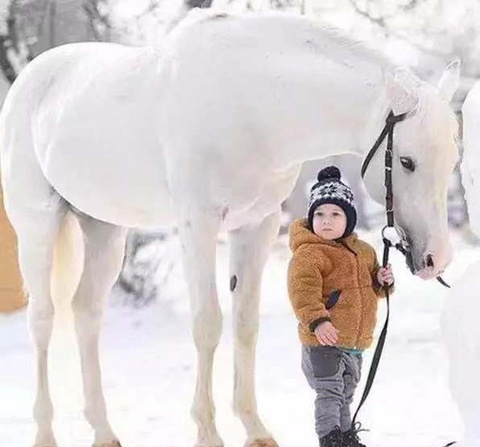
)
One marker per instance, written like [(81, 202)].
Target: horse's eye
[(408, 163)]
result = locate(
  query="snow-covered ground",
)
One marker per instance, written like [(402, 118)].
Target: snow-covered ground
[(148, 363)]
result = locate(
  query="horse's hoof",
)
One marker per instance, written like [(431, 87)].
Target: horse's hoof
[(109, 444), (216, 442), (49, 444), (267, 442), (45, 440)]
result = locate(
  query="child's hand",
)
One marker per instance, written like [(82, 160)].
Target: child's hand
[(327, 334), (385, 275)]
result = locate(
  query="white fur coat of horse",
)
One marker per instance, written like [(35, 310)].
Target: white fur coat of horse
[(208, 131), (460, 318)]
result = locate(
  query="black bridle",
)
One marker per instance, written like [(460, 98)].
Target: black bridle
[(403, 245), (387, 131)]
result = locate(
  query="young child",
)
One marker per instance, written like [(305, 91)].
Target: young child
[(334, 281)]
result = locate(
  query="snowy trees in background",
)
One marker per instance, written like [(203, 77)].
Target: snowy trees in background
[(29, 27), (435, 30), (138, 24), (15, 51), (99, 16)]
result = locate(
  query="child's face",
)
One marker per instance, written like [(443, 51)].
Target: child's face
[(329, 221)]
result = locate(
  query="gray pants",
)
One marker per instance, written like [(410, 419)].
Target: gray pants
[(334, 375)]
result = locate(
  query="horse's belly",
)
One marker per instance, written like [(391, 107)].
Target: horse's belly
[(125, 192), (111, 167), (275, 189)]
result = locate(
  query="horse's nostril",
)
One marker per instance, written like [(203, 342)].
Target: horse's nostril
[(430, 262)]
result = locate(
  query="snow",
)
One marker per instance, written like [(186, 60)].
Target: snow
[(148, 363), (462, 335)]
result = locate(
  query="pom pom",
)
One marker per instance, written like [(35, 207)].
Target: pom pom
[(329, 172)]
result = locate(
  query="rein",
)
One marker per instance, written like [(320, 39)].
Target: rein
[(403, 246)]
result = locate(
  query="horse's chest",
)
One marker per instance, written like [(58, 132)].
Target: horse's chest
[(254, 201)]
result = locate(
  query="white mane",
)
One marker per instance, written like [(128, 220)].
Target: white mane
[(281, 32)]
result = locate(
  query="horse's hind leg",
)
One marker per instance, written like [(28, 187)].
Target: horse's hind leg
[(37, 230), (104, 247), (250, 246)]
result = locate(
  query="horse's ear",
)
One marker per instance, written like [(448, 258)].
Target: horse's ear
[(448, 84), (402, 90)]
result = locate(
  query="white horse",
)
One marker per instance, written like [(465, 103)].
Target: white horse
[(460, 322), (208, 131)]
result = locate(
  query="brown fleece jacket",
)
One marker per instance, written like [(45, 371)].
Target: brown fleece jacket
[(319, 267)]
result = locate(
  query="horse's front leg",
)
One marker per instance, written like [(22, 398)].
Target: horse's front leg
[(250, 246), (198, 236), (104, 248)]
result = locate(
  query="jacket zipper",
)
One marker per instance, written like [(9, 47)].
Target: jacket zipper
[(359, 291)]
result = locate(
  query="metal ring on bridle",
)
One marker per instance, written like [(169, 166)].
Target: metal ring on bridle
[(400, 233)]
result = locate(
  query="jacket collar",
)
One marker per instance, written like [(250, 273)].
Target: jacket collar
[(301, 235)]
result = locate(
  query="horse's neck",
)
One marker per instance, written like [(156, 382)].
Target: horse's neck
[(346, 106), (303, 90), (342, 91)]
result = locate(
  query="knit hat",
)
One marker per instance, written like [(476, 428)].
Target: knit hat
[(330, 189)]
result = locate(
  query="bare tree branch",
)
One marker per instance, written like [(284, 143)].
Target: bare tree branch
[(198, 3), (153, 6), (99, 22), (409, 6), (382, 22), (379, 21)]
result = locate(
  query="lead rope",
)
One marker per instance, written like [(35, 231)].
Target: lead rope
[(387, 131)]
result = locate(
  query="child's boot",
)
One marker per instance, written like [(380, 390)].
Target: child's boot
[(350, 439), (332, 439)]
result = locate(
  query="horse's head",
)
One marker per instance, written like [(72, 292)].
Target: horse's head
[(424, 156)]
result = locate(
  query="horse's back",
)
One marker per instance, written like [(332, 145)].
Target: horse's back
[(93, 122)]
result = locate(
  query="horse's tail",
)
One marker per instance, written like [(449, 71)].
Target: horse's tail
[(67, 268)]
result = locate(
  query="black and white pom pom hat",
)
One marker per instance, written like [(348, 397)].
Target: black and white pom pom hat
[(330, 189)]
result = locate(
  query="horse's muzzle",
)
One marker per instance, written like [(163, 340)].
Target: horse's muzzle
[(430, 268)]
